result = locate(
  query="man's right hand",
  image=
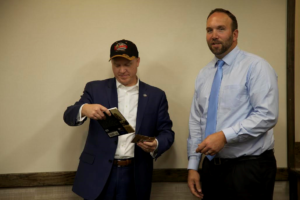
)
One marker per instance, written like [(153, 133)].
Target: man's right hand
[(194, 183), (94, 111)]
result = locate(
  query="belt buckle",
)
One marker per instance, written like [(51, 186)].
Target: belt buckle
[(119, 163), (217, 161), (123, 163)]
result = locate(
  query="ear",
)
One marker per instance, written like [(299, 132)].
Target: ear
[(138, 61), (235, 35)]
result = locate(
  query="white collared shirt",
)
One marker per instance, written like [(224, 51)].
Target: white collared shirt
[(127, 105)]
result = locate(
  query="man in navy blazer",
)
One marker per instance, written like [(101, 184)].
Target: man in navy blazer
[(113, 167)]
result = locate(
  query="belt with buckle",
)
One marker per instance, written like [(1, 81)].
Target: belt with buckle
[(123, 162)]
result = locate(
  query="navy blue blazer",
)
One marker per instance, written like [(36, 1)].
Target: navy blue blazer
[(98, 154)]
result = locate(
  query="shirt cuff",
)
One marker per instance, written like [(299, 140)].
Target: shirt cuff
[(79, 118), (194, 162), (230, 135), (154, 153)]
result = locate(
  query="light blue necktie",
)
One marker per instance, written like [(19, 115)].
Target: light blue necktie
[(211, 122)]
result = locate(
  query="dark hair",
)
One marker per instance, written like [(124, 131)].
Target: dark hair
[(234, 24)]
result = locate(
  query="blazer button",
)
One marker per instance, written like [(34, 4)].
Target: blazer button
[(110, 161)]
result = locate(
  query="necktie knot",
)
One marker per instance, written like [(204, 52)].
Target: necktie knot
[(220, 63)]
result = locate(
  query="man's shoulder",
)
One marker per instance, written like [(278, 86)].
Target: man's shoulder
[(244, 55), (210, 64), (253, 62), (100, 82), (207, 69), (151, 88)]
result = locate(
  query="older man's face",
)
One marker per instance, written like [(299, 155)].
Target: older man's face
[(125, 70)]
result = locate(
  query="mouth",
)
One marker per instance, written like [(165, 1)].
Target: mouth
[(123, 76), (216, 44)]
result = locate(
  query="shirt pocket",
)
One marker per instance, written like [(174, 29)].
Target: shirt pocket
[(233, 96)]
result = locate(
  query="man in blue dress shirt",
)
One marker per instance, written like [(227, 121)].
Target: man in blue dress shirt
[(239, 161)]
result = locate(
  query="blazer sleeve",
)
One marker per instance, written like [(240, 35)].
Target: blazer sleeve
[(71, 113), (165, 135)]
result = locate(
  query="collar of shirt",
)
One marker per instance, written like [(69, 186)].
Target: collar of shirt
[(229, 58), (120, 85)]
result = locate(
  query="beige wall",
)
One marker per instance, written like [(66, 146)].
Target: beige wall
[(50, 49), (297, 72)]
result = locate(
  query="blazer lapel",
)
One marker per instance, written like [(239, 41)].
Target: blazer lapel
[(142, 104), (112, 97), (112, 93)]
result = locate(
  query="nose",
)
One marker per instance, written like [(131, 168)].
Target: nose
[(122, 69), (214, 35)]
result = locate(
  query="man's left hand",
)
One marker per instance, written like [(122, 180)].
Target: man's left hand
[(148, 146), (212, 144)]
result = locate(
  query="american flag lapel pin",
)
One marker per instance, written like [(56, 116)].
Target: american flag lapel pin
[(145, 95)]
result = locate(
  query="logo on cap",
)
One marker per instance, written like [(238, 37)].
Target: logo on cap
[(120, 47)]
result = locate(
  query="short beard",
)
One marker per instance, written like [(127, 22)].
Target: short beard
[(225, 46)]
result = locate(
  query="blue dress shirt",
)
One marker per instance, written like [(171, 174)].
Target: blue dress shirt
[(247, 108)]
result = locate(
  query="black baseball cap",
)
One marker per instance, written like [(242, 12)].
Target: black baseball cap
[(124, 48)]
